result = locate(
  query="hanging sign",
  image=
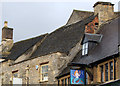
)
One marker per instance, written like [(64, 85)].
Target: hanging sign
[(77, 76)]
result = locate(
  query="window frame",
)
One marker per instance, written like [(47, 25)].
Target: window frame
[(41, 73), (103, 64), (64, 78), (85, 49)]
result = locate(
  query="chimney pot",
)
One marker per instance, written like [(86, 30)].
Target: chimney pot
[(5, 24)]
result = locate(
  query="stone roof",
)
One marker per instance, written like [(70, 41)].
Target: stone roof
[(78, 15), (22, 46), (63, 39)]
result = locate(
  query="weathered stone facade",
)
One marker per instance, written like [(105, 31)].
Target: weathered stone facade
[(33, 74)]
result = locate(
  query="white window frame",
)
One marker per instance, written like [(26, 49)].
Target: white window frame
[(85, 48), (42, 80)]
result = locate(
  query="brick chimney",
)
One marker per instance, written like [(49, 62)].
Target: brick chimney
[(7, 39), (105, 11)]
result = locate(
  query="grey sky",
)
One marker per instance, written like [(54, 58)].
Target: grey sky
[(30, 19)]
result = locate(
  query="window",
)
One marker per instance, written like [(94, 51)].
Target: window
[(15, 74), (64, 81), (85, 49), (44, 72), (106, 72), (102, 73), (111, 70)]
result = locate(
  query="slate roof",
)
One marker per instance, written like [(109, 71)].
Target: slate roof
[(63, 39), (22, 46), (108, 45), (106, 48)]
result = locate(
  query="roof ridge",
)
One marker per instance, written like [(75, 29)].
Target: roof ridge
[(83, 11), (30, 38), (80, 20)]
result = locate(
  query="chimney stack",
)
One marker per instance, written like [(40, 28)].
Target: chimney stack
[(7, 39), (105, 11), (7, 33)]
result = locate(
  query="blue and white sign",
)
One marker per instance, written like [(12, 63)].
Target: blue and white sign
[(77, 76)]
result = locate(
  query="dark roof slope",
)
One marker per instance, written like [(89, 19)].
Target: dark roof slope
[(22, 46), (78, 15), (107, 47), (63, 39), (67, 69)]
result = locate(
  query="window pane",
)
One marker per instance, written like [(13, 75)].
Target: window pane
[(86, 51), (106, 72), (83, 52), (58, 82), (45, 76), (114, 69), (63, 82), (102, 73), (111, 70), (69, 81), (83, 46), (44, 69), (86, 78), (86, 45), (66, 82)]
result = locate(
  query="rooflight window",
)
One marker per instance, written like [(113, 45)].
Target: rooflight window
[(85, 49)]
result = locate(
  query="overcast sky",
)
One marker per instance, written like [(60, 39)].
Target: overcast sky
[(31, 18)]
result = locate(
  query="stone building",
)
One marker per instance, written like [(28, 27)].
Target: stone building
[(44, 59)]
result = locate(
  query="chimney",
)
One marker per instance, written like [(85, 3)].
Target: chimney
[(105, 11), (7, 33), (7, 39)]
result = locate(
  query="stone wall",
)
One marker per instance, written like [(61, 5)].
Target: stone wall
[(33, 74)]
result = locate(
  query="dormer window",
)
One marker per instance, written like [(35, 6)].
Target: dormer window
[(89, 41), (85, 49)]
